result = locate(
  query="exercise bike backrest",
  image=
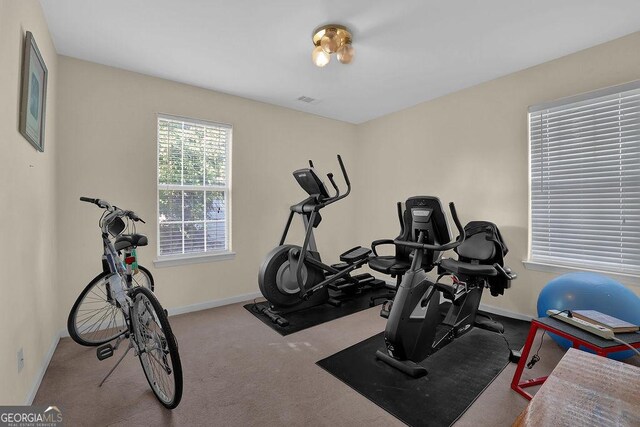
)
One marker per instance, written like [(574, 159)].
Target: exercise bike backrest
[(484, 245), (429, 234), (311, 182)]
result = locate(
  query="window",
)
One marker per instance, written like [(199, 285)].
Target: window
[(585, 181), (194, 175)]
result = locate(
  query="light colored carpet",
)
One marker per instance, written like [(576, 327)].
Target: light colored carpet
[(238, 372)]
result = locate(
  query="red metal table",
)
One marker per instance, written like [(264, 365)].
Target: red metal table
[(578, 337)]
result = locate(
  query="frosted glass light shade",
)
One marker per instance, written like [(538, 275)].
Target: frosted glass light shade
[(320, 57), (330, 41), (345, 53)]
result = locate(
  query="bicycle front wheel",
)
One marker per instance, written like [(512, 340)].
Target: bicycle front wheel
[(157, 347), (95, 319)]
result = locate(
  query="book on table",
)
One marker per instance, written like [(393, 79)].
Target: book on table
[(616, 325)]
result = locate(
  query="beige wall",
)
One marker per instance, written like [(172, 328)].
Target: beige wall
[(28, 300), (107, 143), (471, 147)]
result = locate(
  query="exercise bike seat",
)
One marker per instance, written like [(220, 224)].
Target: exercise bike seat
[(476, 255), (459, 267)]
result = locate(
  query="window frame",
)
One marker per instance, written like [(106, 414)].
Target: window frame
[(195, 257), (557, 266)]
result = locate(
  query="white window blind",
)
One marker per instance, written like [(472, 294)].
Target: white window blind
[(585, 180), (193, 186)]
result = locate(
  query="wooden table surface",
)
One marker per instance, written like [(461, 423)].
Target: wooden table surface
[(586, 390)]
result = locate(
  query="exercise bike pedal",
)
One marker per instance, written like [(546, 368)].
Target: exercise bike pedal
[(386, 309), (104, 352)]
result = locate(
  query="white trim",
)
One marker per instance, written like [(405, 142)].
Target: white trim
[(43, 368), (586, 96), (174, 260), (214, 303), (202, 122), (627, 279), (506, 313)]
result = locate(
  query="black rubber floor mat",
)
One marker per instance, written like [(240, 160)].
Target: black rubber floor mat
[(319, 314), (458, 374)]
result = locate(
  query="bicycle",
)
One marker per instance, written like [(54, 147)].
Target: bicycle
[(119, 304)]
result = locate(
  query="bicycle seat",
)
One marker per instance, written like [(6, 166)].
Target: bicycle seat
[(128, 240)]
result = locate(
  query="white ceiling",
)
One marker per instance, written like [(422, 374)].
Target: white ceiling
[(407, 51)]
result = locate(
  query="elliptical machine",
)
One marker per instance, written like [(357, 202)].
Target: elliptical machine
[(415, 328), (293, 277)]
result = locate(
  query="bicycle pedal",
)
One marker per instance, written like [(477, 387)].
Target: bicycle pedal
[(104, 352)]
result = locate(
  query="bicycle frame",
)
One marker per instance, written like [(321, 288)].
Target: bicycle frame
[(120, 280)]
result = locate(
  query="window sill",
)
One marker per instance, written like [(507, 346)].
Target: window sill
[(627, 279), (172, 261)]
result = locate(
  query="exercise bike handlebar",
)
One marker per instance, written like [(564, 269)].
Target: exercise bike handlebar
[(439, 248)]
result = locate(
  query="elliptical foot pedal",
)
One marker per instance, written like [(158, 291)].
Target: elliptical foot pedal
[(334, 302), (355, 254), (377, 284), (407, 366), (104, 351)]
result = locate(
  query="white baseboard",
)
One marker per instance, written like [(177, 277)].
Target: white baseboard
[(505, 313), (45, 364), (212, 304)]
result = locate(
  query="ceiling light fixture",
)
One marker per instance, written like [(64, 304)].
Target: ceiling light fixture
[(330, 39)]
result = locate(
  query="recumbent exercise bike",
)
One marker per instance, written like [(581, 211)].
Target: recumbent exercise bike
[(415, 328)]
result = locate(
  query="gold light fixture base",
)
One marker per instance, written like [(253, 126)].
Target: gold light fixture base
[(342, 31)]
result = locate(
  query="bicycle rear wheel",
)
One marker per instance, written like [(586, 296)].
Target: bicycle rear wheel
[(157, 346), (95, 319)]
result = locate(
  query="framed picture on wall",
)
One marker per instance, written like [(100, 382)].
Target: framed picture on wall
[(34, 94)]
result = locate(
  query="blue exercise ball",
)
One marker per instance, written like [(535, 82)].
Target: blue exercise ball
[(590, 291)]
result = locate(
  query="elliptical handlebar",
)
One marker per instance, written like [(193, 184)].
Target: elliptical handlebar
[(338, 196), (333, 182), (344, 172), (439, 248)]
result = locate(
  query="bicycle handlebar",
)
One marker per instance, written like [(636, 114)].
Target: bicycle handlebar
[(98, 202), (440, 248), (106, 205)]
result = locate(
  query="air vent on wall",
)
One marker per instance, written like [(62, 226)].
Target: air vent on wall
[(308, 99)]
